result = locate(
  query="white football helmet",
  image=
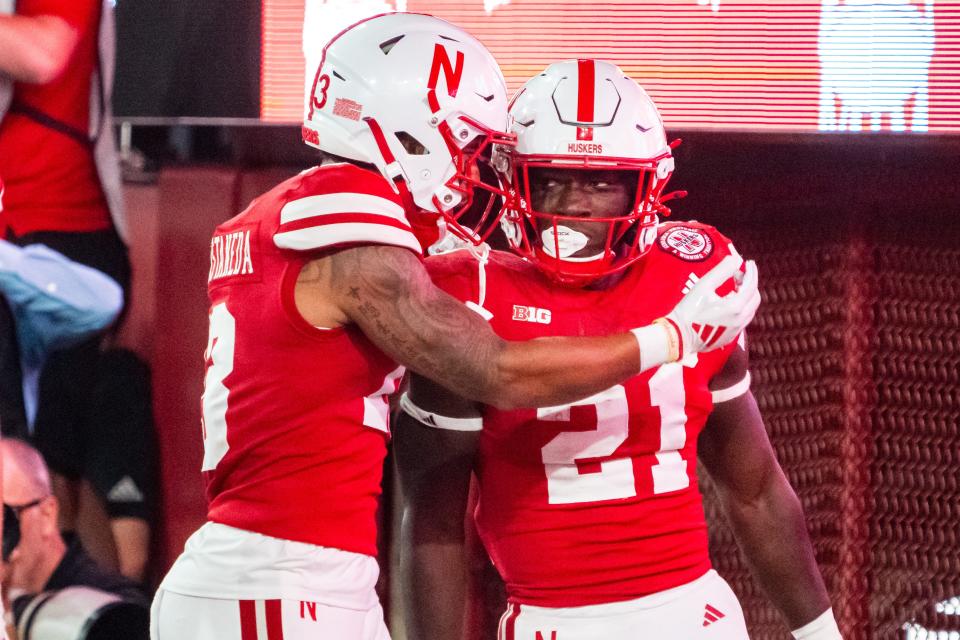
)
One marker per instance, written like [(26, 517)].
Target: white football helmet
[(423, 101), (586, 115)]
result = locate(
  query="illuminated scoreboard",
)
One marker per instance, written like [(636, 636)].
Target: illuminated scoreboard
[(804, 66)]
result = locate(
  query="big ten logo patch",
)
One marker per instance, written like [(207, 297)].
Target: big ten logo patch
[(524, 313), (687, 243)]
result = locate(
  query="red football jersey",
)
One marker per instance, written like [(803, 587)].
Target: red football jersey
[(598, 501), (52, 181), (294, 416)]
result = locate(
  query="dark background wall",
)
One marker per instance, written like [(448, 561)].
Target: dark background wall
[(180, 59), (855, 360)]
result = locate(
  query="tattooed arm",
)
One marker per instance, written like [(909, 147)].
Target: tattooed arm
[(388, 293)]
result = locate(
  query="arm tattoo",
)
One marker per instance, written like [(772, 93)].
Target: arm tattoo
[(388, 293)]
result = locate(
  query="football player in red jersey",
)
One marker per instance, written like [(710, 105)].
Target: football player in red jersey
[(319, 299), (590, 510)]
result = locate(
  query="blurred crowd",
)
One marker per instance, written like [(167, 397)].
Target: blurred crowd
[(75, 406)]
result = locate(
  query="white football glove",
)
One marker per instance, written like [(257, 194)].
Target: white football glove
[(704, 321)]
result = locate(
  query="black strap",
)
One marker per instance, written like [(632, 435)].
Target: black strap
[(50, 122), (59, 126)]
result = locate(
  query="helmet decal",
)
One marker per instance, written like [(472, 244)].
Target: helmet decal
[(451, 74), (586, 78)]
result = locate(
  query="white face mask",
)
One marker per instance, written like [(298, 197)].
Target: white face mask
[(569, 242)]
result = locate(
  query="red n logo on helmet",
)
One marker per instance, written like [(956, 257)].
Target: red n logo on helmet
[(451, 73)]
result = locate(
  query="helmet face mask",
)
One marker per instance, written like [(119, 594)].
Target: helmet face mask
[(585, 117), (420, 99), (469, 178), (578, 223)]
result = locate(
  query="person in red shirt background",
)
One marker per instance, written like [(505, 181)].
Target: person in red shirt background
[(62, 189), (50, 48)]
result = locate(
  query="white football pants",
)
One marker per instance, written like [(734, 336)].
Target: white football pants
[(178, 617), (705, 609)]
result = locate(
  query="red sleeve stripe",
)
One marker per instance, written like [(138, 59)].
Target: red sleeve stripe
[(585, 82), (332, 235), (341, 218), (335, 203)]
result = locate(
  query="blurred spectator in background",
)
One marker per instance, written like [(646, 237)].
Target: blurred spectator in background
[(12, 416), (49, 303), (58, 160), (111, 447), (40, 561)]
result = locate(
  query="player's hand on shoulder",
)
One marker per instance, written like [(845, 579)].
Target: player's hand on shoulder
[(704, 320)]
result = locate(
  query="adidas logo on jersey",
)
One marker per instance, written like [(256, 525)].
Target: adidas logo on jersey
[(522, 313), (125, 490), (692, 280), (711, 615)]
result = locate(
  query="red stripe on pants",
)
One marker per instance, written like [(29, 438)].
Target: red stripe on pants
[(274, 620), (511, 623), (248, 620)]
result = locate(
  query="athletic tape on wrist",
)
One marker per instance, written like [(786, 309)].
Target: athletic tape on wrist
[(437, 421), (824, 627), (674, 335), (655, 345)]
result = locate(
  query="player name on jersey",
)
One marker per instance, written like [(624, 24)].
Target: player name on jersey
[(230, 255)]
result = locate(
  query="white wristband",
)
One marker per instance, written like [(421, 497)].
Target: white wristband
[(437, 421), (733, 391), (654, 346), (824, 627)]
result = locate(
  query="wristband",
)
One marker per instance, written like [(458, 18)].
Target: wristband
[(437, 421), (733, 391), (823, 627), (675, 335), (656, 345)]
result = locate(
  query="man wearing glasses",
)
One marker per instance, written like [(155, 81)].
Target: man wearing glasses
[(39, 559)]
